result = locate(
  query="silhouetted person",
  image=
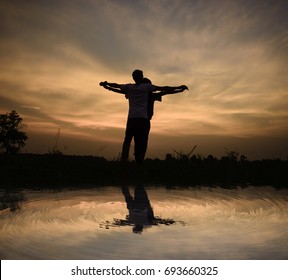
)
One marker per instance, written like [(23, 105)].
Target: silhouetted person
[(138, 125), (152, 97), (140, 210)]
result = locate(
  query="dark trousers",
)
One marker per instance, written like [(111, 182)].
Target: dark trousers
[(137, 128)]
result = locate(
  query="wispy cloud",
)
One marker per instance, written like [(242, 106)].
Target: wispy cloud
[(30, 107)]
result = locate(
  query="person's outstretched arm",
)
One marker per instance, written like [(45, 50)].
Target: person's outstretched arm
[(173, 90), (112, 86), (169, 89)]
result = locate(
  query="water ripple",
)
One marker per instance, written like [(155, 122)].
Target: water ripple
[(91, 224)]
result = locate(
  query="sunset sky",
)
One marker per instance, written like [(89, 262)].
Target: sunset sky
[(232, 54)]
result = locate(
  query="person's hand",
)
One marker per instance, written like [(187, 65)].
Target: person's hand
[(103, 84)]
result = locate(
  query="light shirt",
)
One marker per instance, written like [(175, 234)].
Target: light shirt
[(138, 99)]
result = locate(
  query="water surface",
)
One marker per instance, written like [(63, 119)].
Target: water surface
[(145, 223)]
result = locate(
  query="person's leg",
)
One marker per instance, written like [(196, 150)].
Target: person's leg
[(129, 133), (141, 139), (128, 197)]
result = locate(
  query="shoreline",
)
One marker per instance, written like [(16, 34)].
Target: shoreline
[(43, 170)]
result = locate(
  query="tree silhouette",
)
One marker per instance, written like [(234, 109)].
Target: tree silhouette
[(11, 138)]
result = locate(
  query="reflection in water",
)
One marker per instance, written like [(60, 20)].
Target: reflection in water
[(240, 223), (141, 213), (11, 201)]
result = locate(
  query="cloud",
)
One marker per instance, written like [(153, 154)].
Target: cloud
[(30, 107)]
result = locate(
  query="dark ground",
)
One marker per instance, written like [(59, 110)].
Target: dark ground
[(31, 170)]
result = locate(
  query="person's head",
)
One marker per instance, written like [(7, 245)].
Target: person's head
[(137, 76), (146, 81), (138, 228)]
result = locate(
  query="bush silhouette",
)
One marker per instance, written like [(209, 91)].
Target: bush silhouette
[(11, 138)]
